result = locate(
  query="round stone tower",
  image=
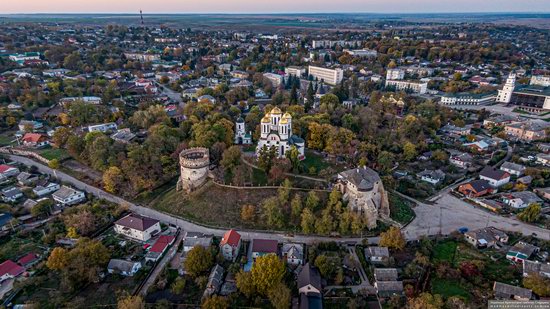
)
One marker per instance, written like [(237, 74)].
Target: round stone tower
[(194, 166)]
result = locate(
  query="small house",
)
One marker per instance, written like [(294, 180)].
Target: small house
[(261, 247), (9, 270), (215, 281), (50, 187), (123, 267), (507, 292), (67, 196), (11, 194), (137, 227), (293, 253), (35, 140), (475, 188), (377, 255), (496, 178), (230, 245), (521, 251), (432, 177), (486, 237), (535, 267), (513, 168), (521, 199)]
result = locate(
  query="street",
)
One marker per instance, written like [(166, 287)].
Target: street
[(446, 215)]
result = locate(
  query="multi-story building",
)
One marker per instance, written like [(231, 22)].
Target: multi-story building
[(275, 79), (329, 76), (532, 98), (276, 131), (395, 74), (329, 44), (403, 85), (540, 80), (365, 53), (296, 71), (467, 99), (143, 57)]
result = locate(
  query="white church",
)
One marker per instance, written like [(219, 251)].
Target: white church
[(241, 137), (277, 131)]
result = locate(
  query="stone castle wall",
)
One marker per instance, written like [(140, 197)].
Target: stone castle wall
[(194, 167)]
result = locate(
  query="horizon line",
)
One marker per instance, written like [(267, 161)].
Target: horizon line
[(272, 13)]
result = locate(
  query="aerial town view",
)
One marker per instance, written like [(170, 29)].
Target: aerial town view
[(289, 154)]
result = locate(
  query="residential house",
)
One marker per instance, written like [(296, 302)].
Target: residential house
[(385, 274), (492, 205), (508, 292), (477, 146), (123, 267), (5, 221), (543, 192), (229, 285), (377, 255), (386, 283), (104, 127), (527, 131), (9, 270), (196, 239), (261, 247), (521, 251), (25, 125), (475, 188), (513, 168), (486, 237), (35, 140), (455, 131), (461, 160), (123, 135), (68, 196), (293, 253), (309, 288), (7, 171), (137, 227), (543, 159), (521, 199), (230, 245), (215, 281), (535, 267), (50, 187), (26, 179), (433, 177), (159, 247), (496, 178), (11, 194), (28, 260)]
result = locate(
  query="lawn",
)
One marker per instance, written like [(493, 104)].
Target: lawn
[(213, 205), (54, 153), (400, 209), (445, 251), (6, 140), (448, 288), (314, 160)]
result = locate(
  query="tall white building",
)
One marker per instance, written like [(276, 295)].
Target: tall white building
[(540, 80), (505, 94), (296, 71), (275, 79), (403, 85), (329, 76), (276, 131), (395, 74)]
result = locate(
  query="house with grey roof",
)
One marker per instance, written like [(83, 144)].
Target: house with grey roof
[(513, 168), (385, 274), (309, 288), (433, 177), (507, 292), (293, 253), (377, 255), (486, 237), (137, 227), (123, 267), (11, 194), (535, 267), (215, 281), (521, 199), (68, 196)]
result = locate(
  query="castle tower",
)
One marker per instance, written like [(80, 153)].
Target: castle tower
[(505, 95), (194, 166)]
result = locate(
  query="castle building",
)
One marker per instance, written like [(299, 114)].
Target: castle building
[(276, 131), (362, 188), (241, 137), (194, 167)]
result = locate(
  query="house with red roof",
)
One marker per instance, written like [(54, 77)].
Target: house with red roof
[(261, 247), (137, 227), (7, 171), (9, 269), (159, 247), (28, 260), (230, 245), (35, 140)]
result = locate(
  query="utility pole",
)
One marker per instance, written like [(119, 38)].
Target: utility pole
[(141, 15)]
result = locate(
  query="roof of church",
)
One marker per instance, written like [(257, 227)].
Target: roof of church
[(276, 111), (240, 120)]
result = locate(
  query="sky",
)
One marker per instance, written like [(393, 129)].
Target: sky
[(271, 6)]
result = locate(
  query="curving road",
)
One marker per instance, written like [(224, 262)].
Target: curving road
[(446, 215)]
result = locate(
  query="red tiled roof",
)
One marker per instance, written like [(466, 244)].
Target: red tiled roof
[(32, 137), (10, 267), (4, 168), (27, 259), (161, 243), (231, 237)]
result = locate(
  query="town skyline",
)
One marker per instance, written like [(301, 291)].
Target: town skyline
[(283, 6)]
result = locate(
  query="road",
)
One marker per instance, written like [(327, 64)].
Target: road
[(446, 215)]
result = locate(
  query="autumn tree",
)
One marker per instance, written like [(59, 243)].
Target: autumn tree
[(272, 212), (280, 296), (130, 302), (215, 302), (539, 284), (231, 158), (267, 271), (266, 157), (409, 151), (531, 213), (326, 267), (248, 212), (112, 179), (393, 238), (245, 284), (198, 261), (58, 259), (307, 221)]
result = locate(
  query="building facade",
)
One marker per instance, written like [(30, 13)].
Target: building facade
[(403, 85), (276, 131), (194, 167), (329, 76)]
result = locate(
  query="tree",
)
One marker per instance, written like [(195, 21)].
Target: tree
[(112, 179), (248, 212), (130, 302), (440, 155), (54, 164), (280, 296), (393, 238), (326, 268), (178, 286), (531, 213), (215, 302), (41, 208), (426, 301), (58, 259), (231, 157), (245, 284), (312, 200), (409, 151), (272, 212), (539, 284), (293, 155), (267, 271), (266, 156), (198, 261), (307, 221), (296, 207)]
